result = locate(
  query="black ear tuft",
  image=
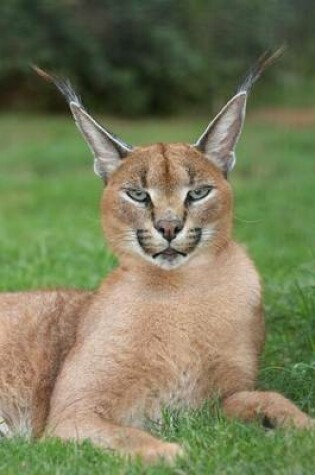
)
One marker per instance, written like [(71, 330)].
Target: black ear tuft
[(265, 60), (63, 85), (107, 148), (219, 139)]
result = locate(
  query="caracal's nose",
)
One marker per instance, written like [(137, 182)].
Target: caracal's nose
[(169, 228)]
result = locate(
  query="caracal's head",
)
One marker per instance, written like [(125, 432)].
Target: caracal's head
[(166, 203)]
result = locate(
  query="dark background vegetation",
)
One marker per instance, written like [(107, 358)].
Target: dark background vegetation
[(154, 56)]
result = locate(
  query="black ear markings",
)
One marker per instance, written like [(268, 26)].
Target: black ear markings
[(217, 142), (107, 148), (63, 85), (219, 139), (264, 61)]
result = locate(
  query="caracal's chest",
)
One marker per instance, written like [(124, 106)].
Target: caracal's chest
[(177, 336)]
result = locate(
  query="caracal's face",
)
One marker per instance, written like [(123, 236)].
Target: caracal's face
[(166, 204)]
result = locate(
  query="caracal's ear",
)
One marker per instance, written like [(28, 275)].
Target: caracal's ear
[(108, 150), (219, 139)]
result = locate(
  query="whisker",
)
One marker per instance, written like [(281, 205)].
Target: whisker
[(241, 220)]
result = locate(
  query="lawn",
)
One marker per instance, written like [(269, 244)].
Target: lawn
[(50, 236)]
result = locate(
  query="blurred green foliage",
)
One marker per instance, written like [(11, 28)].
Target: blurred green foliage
[(152, 56)]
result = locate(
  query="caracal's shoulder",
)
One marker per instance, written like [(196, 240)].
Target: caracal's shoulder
[(242, 268)]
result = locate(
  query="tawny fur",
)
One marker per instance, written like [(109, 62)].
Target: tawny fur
[(100, 365)]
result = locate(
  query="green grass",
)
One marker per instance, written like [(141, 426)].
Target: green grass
[(50, 236)]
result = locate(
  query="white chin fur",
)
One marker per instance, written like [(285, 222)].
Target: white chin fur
[(160, 261), (166, 264)]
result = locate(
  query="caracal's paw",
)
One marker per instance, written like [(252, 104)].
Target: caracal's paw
[(167, 452), (300, 422), (306, 423)]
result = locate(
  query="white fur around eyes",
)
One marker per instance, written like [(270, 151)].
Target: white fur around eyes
[(126, 197), (213, 192)]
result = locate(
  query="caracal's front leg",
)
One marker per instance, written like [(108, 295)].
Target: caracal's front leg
[(125, 440), (271, 407)]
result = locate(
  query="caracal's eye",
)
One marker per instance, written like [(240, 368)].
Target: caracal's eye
[(138, 195), (199, 193)]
